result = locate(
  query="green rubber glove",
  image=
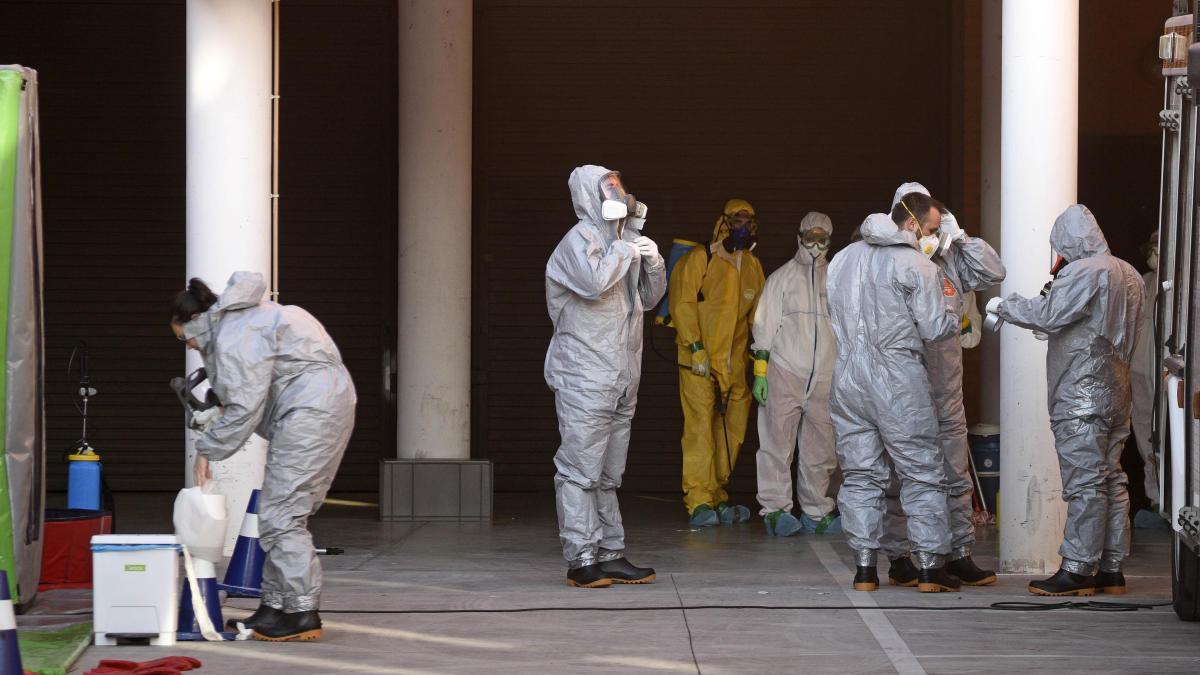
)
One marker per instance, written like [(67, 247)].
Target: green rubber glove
[(760, 390)]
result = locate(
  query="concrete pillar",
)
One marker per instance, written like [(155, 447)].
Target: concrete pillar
[(229, 181), (434, 264), (989, 196), (1039, 155)]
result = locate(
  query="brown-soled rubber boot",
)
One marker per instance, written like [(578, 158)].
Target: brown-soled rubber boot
[(291, 627), (902, 572), (588, 576), (969, 573), (937, 580), (621, 571), (1064, 583), (866, 579), (1110, 583), (262, 616)]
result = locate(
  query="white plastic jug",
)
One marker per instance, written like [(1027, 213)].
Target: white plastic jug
[(200, 522)]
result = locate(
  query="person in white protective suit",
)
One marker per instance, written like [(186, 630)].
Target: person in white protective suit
[(277, 373), (794, 352), (600, 280), (1142, 374), (1092, 315), (887, 302), (969, 264)]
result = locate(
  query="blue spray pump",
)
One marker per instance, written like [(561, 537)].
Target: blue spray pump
[(84, 468)]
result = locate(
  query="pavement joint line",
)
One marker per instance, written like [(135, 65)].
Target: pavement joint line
[(880, 626), (390, 549), (691, 641)]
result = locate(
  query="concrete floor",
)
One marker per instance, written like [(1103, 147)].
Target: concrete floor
[(438, 598)]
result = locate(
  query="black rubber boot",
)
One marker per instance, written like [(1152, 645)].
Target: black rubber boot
[(588, 576), (866, 579), (937, 580), (262, 616), (970, 574), (621, 571), (902, 572), (290, 627), (1064, 583), (1111, 583)]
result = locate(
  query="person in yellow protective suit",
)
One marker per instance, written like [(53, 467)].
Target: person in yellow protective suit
[(713, 293)]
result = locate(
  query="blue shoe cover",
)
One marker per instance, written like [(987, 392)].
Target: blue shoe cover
[(787, 525), (741, 514), (704, 516), (830, 524), (726, 514)]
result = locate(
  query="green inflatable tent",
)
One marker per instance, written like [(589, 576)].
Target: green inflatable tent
[(22, 426)]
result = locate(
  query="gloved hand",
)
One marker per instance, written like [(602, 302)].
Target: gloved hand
[(949, 227), (633, 248), (993, 321), (204, 419), (648, 249), (700, 362), (760, 389), (762, 359), (1039, 335)]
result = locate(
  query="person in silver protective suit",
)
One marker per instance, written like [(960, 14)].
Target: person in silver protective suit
[(794, 353), (1092, 315), (887, 301), (599, 281), (277, 373), (970, 265)]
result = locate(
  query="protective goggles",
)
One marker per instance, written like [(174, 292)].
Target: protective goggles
[(815, 238), (736, 220), (611, 187)]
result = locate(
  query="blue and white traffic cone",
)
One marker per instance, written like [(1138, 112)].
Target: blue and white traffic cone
[(188, 628), (10, 651), (243, 578)]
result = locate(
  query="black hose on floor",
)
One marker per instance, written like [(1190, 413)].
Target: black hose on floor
[(1020, 606)]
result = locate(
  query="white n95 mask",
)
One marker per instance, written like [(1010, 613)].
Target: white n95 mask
[(928, 245)]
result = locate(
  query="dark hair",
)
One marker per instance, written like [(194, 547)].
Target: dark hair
[(916, 202), (197, 298)]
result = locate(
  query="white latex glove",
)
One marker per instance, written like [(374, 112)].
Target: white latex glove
[(992, 320), (633, 248), (1040, 335), (204, 419), (949, 227), (647, 248)]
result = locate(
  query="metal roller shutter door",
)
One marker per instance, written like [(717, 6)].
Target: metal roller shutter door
[(793, 105)]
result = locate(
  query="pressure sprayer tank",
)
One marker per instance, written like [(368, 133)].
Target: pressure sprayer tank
[(985, 451), (83, 481)]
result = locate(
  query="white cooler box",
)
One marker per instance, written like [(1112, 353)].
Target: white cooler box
[(136, 587)]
